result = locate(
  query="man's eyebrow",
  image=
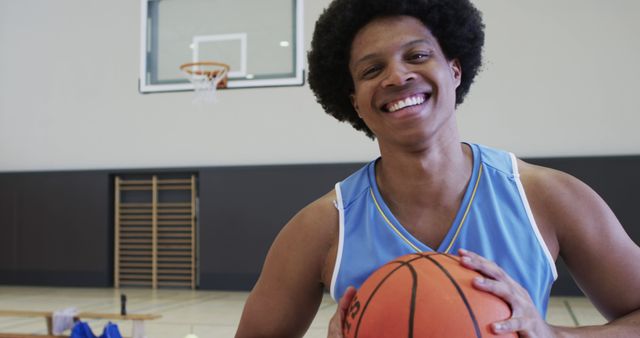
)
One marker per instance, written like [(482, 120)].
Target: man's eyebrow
[(406, 45), (418, 41)]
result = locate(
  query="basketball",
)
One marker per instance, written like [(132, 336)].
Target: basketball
[(425, 295)]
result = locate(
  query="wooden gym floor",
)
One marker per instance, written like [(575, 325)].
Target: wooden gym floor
[(207, 314)]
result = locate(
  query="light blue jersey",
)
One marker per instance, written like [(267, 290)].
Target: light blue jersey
[(494, 221)]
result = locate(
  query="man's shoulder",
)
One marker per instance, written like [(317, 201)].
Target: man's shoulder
[(547, 179), (319, 216), (560, 199)]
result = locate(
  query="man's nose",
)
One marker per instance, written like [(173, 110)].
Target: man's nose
[(397, 74)]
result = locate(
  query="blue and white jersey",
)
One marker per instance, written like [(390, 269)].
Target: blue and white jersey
[(494, 220)]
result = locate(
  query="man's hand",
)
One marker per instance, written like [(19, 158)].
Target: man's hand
[(525, 319), (336, 322)]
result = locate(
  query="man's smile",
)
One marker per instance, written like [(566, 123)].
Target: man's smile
[(409, 101)]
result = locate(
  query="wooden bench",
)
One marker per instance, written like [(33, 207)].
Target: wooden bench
[(48, 317)]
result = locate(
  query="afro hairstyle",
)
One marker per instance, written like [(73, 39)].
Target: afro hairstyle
[(457, 25)]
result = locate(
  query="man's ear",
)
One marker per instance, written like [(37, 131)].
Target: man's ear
[(456, 71)]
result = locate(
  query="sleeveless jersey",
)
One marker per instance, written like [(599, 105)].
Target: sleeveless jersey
[(494, 220)]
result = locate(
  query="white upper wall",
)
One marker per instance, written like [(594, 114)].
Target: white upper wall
[(560, 79)]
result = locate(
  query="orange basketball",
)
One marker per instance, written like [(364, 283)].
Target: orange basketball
[(426, 295)]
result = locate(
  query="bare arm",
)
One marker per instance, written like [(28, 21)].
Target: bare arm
[(288, 293), (602, 258), (577, 224)]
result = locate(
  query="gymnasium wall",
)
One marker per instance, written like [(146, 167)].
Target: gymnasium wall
[(557, 88), (560, 79)]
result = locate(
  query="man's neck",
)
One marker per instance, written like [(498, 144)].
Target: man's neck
[(437, 174)]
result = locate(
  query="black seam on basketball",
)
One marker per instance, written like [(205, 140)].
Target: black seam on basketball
[(375, 290), (476, 327), (419, 256), (412, 306), (451, 257)]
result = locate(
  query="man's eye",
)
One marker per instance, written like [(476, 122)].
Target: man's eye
[(419, 56), (370, 71)]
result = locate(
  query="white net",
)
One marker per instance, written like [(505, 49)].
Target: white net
[(206, 78)]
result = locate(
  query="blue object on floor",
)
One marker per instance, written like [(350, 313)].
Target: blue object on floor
[(111, 331), (82, 330)]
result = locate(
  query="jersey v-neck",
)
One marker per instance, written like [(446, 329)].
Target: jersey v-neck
[(455, 228)]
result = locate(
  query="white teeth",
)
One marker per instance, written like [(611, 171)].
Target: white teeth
[(409, 101)]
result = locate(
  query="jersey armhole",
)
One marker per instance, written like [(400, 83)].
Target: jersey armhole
[(336, 268), (532, 221)]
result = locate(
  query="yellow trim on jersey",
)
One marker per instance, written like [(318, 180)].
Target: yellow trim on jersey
[(391, 224), (455, 236), (466, 212)]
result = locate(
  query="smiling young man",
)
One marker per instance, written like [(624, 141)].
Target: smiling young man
[(396, 70)]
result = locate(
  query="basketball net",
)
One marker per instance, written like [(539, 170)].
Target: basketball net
[(206, 78)]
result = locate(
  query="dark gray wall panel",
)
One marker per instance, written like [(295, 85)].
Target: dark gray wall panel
[(59, 232), (56, 228), (242, 209), (8, 224)]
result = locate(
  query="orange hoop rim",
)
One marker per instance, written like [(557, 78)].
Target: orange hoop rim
[(209, 73), (212, 75)]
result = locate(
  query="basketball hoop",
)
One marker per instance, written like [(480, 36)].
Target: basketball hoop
[(206, 77)]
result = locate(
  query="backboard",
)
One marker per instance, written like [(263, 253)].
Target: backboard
[(260, 40)]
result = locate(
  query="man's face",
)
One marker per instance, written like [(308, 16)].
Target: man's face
[(404, 85)]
